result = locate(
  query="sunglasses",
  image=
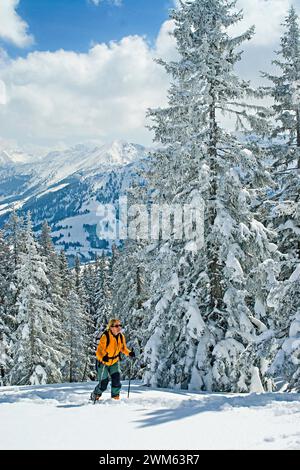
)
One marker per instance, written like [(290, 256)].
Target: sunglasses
[(116, 326)]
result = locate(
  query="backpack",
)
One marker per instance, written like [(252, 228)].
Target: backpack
[(106, 333)]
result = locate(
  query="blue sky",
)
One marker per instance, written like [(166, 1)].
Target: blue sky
[(76, 24)]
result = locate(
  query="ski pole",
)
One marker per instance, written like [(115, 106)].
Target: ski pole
[(130, 372)]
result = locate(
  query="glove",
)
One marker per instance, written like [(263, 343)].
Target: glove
[(105, 358), (132, 353)]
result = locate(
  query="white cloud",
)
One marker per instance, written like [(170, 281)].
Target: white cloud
[(165, 41), (118, 3), (63, 96), (3, 99), (12, 28), (267, 16)]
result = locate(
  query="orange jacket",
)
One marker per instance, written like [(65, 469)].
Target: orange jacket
[(116, 345)]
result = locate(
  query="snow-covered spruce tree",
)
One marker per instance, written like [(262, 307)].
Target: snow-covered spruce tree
[(55, 288), (74, 318), (87, 325), (64, 285), (129, 289), (97, 304), (284, 215), (91, 284), (65, 278), (284, 298), (6, 325), (47, 250), (203, 321), (13, 246), (14, 234), (285, 151), (88, 279), (75, 366), (36, 358), (67, 287), (104, 293)]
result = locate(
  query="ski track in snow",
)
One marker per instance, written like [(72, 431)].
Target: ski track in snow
[(61, 417)]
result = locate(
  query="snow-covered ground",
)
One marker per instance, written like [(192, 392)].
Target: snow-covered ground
[(61, 417)]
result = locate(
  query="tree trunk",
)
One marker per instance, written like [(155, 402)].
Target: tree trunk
[(214, 267), (139, 288), (298, 136)]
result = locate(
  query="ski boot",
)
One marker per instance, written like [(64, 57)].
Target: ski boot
[(116, 397), (94, 397)]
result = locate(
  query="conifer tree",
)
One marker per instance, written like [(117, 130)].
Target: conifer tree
[(284, 202), (204, 319), (6, 325), (36, 352), (75, 365), (104, 293), (129, 293), (14, 233), (87, 324)]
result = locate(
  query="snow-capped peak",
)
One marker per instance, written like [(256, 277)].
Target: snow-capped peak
[(87, 158), (11, 156), (5, 159)]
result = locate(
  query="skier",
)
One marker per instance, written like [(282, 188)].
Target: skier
[(111, 344)]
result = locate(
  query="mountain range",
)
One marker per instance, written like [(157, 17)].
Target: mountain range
[(67, 188)]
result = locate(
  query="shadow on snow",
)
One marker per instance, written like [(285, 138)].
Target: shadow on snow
[(167, 404)]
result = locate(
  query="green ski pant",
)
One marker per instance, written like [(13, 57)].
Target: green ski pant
[(103, 374)]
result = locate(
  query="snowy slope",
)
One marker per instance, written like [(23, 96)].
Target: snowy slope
[(60, 417), (13, 155), (5, 158), (19, 177), (88, 159), (66, 188)]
